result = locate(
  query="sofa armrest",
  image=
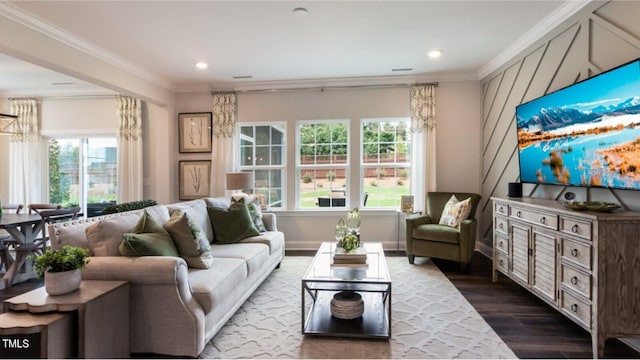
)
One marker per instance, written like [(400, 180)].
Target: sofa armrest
[(269, 220), (144, 270)]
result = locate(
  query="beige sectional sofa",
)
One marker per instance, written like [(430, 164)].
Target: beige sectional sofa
[(175, 310)]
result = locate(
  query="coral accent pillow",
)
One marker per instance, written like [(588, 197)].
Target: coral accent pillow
[(455, 211)]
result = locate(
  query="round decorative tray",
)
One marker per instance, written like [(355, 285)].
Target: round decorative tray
[(347, 305), (591, 205)]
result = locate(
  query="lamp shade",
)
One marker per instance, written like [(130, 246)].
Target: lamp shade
[(239, 181)]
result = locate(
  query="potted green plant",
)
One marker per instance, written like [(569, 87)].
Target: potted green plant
[(61, 268)]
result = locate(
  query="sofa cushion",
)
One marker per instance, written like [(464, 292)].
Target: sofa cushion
[(210, 286), (455, 211), (104, 237), (255, 255), (233, 224), (273, 239), (190, 240), (148, 238), (197, 210), (437, 232)]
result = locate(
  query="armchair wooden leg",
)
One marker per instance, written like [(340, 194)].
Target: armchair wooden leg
[(412, 258)]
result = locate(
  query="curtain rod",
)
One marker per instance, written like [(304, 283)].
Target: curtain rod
[(65, 97), (323, 88)]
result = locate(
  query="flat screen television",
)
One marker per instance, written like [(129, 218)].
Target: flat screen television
[(587, 134)]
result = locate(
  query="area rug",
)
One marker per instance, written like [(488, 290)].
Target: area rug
[(430, 319)]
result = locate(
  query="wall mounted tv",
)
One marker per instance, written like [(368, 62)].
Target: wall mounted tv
[(587, 134)]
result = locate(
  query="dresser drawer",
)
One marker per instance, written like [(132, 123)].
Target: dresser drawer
[(501, 225), (576, 251), (576, 280), (501, 243), (576, 309), (540, 218), (502, 262), (501, 208), (576, 227)]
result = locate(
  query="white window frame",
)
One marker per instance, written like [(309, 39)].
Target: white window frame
[(397, 165), (300, 167), (282, 167)]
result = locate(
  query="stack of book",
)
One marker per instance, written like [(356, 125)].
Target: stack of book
[(353, 258)]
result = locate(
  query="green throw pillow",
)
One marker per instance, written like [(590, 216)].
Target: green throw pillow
[(190, 240), (233, 224), (148, 238), (254, 209)]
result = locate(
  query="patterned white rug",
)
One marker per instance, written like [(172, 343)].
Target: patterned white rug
[(431, 319)]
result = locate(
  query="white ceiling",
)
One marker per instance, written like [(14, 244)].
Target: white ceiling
[(336, 41)]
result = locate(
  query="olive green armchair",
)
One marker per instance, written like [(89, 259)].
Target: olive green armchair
[(425, 237)]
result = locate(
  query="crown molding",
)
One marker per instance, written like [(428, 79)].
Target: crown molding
[(35, 23), (563, 12)]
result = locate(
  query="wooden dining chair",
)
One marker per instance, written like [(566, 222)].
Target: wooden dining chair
[(6, 241), (40, 245), (37, 208)]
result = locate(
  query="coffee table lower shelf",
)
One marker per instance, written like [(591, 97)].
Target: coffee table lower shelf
[(373, 324)]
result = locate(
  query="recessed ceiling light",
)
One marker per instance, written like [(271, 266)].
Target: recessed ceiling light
[(300, 11), (201, 65), (61, 83), (242, 77), (402, 69), (434, 54)]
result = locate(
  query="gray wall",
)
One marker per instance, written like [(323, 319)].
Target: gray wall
[(601, 36)]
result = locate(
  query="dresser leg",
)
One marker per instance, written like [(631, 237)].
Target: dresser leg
[(597, 344)]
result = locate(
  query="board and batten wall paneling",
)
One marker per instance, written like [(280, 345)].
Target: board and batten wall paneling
[(601, 36)]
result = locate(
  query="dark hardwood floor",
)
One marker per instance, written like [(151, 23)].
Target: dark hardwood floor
[(530, 327)]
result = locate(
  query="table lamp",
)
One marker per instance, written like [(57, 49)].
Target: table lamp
[(237, 182)]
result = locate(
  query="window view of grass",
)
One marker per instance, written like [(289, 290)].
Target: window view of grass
[(385, 164)]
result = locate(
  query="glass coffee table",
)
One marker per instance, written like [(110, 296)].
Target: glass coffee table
[(372, 282)]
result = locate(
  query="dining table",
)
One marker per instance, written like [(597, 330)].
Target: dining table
[(24, 229)]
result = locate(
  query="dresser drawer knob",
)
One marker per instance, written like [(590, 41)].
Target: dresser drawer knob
[(543, 220), (501, 262), (501, 209), (574, 307), (574, 252), (575, 228), (501, 226), (574, 280), (501, 243), (519, 214)]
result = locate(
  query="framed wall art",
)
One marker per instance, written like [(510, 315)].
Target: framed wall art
[(194, 131), (406, 203), (195, 179)]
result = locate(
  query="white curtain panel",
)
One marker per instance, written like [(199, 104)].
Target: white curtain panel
[(423, 152), (222, 151), (25, 171), (129, 168)]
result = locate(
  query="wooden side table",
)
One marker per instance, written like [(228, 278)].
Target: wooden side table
[(103, 315), (24, 335)]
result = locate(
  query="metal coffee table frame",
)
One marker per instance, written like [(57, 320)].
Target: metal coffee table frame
[(322, 280)]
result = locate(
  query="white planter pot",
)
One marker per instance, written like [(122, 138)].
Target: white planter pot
[(58, 283)]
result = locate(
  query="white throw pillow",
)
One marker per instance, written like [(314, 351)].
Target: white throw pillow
[(455, 211)]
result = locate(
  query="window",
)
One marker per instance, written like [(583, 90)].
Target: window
[(83, 171), (322, 163), (386, 161), (262, 151)]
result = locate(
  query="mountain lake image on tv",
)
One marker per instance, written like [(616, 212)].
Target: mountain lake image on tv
[(587, 134)]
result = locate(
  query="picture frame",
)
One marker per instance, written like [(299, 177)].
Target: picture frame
[(195, 179), (406, 203), (195, 132)]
